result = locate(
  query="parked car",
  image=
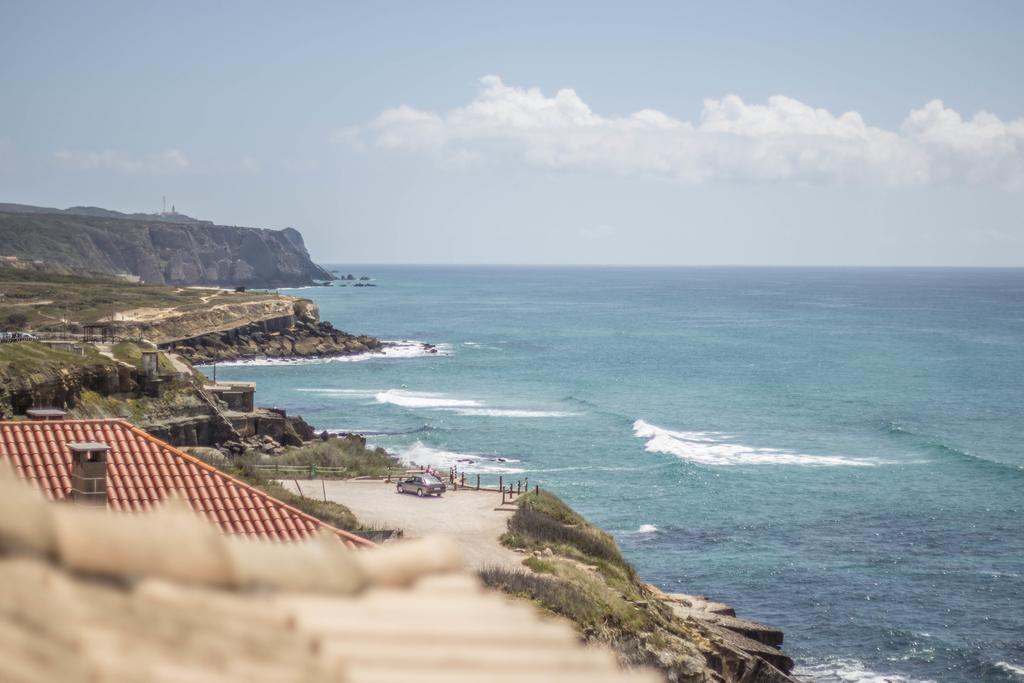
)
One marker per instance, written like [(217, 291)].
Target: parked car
[(17, 336), (422, 485)]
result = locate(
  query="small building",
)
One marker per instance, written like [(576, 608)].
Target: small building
[(239, 396), (98, 331), (66, 345)]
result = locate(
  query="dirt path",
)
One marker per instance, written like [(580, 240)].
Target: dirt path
[(467, 516)]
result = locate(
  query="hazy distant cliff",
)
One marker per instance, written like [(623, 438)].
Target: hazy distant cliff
[(172, 249)]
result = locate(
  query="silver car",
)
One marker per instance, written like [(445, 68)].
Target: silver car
[(422, 485)]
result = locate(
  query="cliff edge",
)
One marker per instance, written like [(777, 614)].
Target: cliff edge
[(162, 249)]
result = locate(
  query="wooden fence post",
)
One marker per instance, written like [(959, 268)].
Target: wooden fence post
[(324, 487), (478, 482), (519, 487), (501, 483)]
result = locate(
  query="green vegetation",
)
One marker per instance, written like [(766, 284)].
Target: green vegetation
[(543, 520), (332, 513), (16, 320), (176, 399), (558, 597), (42, 300), (577, 571), (350, 454), (26, 358), (131, 353)]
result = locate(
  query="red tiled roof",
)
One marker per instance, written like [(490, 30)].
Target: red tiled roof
[(142, 470)]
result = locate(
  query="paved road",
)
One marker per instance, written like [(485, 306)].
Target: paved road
[(467, 516)]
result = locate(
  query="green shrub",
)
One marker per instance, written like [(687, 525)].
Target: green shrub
[(16, 320), (544, 520), (557, 596), (538, 565), (552, 506), (349, 453)]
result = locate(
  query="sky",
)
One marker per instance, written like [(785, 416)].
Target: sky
[(651, 133)]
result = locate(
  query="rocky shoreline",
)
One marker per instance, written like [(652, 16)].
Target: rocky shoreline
[(304, 339)]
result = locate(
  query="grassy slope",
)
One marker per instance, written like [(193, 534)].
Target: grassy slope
[(578, 572), (46, 298), (22, 359)]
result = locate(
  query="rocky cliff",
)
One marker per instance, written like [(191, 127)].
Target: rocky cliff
[(165, 249)]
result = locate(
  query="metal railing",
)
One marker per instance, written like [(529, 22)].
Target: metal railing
[(509, 489)]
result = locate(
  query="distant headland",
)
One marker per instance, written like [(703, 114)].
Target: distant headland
[(166, 248)]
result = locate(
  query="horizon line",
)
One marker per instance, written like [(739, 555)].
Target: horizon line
[(675, 265)]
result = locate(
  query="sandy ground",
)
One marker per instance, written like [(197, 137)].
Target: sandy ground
[(467, 516)]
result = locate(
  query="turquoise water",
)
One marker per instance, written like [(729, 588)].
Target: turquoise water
[(833, 451)]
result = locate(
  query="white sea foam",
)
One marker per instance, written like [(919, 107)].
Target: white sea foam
[(340, 393), (478, 345), (709, 448), (469, 407), (410, 348), (422, 399), (1011, 668), (837, 670), (647, 529), (470, 463), (499, 412), (395, 349)]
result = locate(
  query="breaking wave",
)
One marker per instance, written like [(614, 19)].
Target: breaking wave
[(709, 448), (460, 406), (1011, 668), (422, 399), (340, 393), (836, 670), (498, 412), (471, 463)]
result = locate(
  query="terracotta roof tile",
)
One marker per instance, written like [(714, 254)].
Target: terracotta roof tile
[(143, 470)]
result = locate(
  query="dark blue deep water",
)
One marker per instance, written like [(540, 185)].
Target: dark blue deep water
[(833, 451)]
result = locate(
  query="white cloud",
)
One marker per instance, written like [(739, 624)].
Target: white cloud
[(781, 140), (167, 161)]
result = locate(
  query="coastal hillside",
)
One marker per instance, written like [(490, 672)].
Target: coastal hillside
[(203, 324), (159, 249)]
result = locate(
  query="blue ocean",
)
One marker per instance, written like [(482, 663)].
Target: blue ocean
[(836, 452)]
